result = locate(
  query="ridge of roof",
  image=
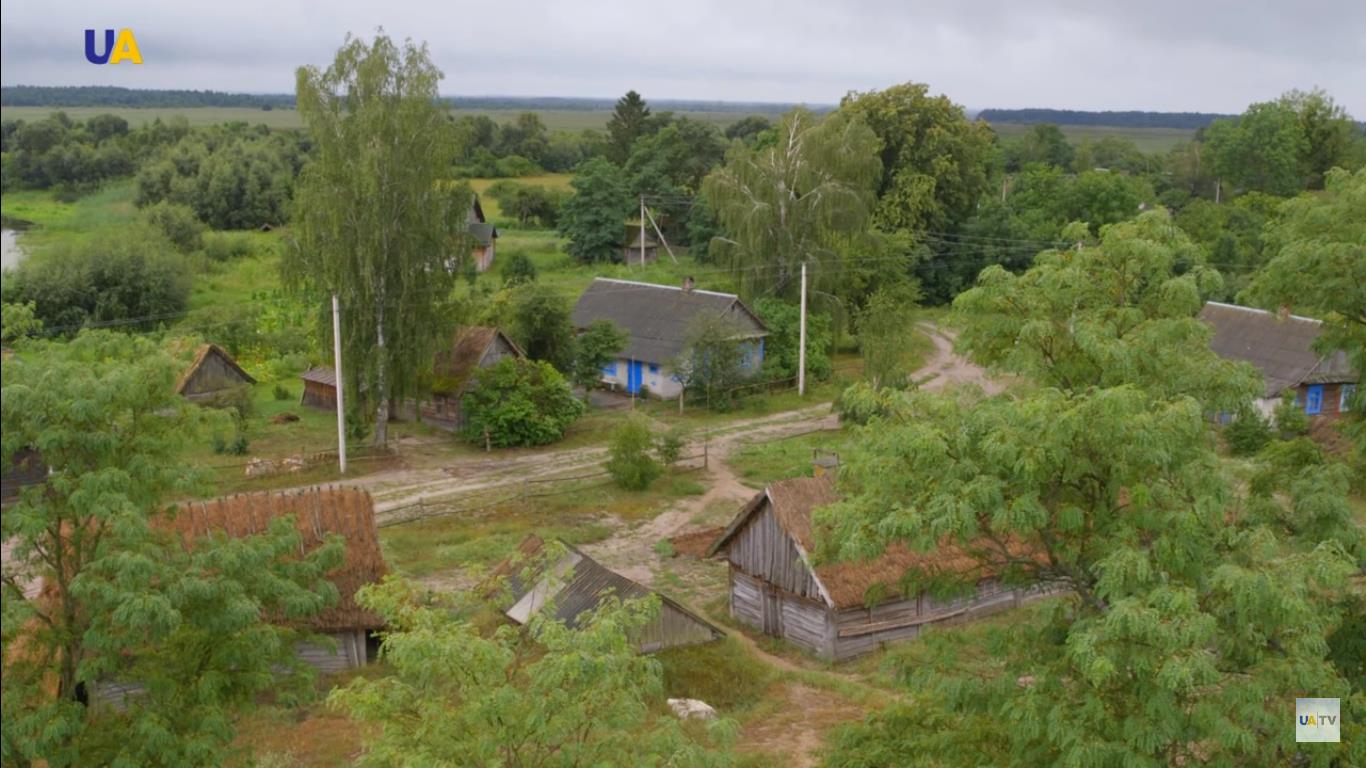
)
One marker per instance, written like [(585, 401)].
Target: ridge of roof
[(664, 287), (1263, 311)]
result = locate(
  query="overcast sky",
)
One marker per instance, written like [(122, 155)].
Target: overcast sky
[(1200, 55)]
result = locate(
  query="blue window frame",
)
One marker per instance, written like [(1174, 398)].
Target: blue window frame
[(1345, 403), (1313, 399), (610, 369), (654, 368)]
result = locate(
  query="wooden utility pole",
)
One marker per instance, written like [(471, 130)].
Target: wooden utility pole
[(337, 372), (642, 230), (655, 224), (801, 344)]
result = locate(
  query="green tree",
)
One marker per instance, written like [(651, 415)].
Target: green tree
[(1171, 646), (541, 324), (375, 225), (1332, 137), (1261, 150), (596, 346), (630, 120), (550, 697), (124, 599), (887, 336), (712, 363), (518, 269), (518, 403), (934, 162), (629, 459), (781, 358), (1121, 311), (18, 322), (178, 223), (1042, 143), (594, 217), (797, 201), (748, 128)]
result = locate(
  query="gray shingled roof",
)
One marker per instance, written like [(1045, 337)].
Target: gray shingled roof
[(1281, 348), (658, 318), (483, 233)]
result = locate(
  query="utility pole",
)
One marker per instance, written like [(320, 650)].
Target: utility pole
[(642, 230), (801, 344), (337, 372)]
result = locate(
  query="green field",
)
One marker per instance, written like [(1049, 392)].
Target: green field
[(1147, 139), (554, 119)]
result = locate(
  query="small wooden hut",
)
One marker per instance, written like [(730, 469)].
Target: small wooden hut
[(472, 348), (317, 513), (320, 388), (573, 584), (212, 373), (484, 236), (640, 240), (837, 610)]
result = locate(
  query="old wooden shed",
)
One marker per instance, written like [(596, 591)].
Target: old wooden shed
[(211, 373), (837, 610), (471, 348), (573, 584)]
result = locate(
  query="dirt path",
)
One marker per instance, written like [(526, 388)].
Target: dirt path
[(947, 368)]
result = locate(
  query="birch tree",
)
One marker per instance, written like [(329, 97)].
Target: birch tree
[(376, 222), (798, 200)]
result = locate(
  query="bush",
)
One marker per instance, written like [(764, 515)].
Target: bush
[(281, 392), (1291, 420), (518, 268), (631, 465), (518, 403), (1248, 433), (670, 445), (860, 402), (238, 445), (784, 336), (178, 223), (225, 247)]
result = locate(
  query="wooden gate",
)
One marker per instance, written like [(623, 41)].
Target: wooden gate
[(773, 611)]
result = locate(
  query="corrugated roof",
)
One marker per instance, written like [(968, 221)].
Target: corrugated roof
[(848, 584), (1280, 347), (349, 512), (575, 584), (658, 318)]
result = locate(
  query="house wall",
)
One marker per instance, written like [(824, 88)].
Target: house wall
[(658, 379), (631, 255), (213, 375), (318, 395), (672, 628), (1331, 402), (483, 256), (763, 550)]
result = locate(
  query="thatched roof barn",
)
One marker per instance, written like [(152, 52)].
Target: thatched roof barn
[(472, 347), (348, 512), (837, 610), (573, 584), (1281, 347), (212, 372)]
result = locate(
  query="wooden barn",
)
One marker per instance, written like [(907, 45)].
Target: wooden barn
[(320, 388), (575, 584), (212, 373), (838, 610), (1281, 347), (471, 348), (484, 235), (317, 512), (641, 247)]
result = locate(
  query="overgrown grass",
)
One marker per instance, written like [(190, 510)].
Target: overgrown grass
[(764, 462), (726, 674), (95, 215)]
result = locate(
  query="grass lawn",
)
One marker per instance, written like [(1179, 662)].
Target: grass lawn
[(758, 464), (54, 221)]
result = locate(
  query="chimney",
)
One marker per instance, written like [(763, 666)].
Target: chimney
[(1283, 312), (688, 284)]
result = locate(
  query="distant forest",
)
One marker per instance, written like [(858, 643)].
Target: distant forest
[(1126, 119), (106, 96)]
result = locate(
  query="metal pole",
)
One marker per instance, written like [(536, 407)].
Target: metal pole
[(801, 345), (337, 372)]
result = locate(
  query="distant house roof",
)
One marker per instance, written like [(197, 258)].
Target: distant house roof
[(575, 584), (658, 318), (317, 513), (454, 366), (1282, 348), (650, 242), (321, 374), (479, 228), (201, 356), (848, 584)]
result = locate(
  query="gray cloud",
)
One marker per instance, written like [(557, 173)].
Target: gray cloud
[(1160, 54)]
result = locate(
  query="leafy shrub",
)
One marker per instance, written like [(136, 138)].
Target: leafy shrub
[(781, 353), (1248, 433), (238, 445), (518, 268), (860, 402), (1291, 421), (220, 246), (630, 464), (519, 403), (670, 445), (281, 392), (178, 223)]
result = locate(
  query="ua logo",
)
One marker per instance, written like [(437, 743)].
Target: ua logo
[(125, 48)]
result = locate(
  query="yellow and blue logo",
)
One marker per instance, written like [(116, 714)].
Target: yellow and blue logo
[(118, 50)]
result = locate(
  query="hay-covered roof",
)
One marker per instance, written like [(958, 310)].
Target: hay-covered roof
[(849, 584), (317, 512), (1282, 348), (454, 366)]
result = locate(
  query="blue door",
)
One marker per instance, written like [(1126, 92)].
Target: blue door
[(633, 376), (1313, 399)]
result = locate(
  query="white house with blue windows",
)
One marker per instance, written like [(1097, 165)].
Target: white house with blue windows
[(657, 320), (1283, 348)]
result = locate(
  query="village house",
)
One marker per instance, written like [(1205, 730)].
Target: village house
[(1281, 347), (658, 319), (211, 374), (574, 584), (472, 348), (838, 610), (485, 237)]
